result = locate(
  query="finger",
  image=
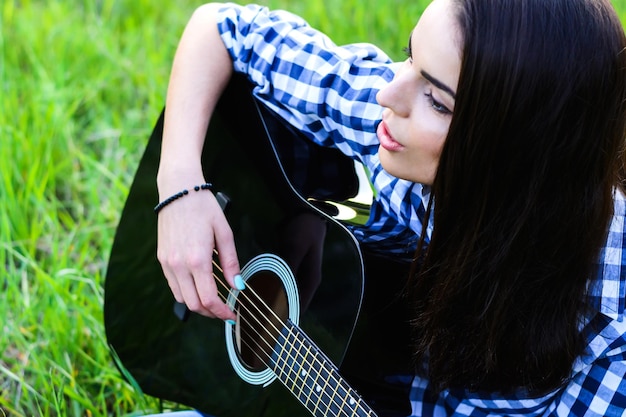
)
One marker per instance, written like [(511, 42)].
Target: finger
[(174, 287), (227, 254), (191, 298), (183, 267), (207, 286), (213, 304), (170, 276), (169, 262)]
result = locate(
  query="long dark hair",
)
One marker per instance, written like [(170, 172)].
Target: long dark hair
[(523, 194)]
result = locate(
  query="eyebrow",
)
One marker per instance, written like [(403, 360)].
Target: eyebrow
[(434, 81), (440, 85)]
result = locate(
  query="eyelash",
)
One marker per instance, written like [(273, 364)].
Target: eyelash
[(407, 52), (437, 106)]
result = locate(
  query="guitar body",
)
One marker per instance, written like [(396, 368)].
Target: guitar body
[(277, 206)]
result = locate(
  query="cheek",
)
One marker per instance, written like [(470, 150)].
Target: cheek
[(428, 137), (425, 152), (434, 145)]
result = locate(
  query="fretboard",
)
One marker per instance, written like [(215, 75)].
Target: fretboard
[(313, 378)]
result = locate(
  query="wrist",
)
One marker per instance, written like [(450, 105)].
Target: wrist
[(200, 187), (171, 180)]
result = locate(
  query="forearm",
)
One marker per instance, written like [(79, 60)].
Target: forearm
[(200, 72)]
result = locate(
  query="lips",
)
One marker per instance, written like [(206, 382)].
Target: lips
[(386, 140)]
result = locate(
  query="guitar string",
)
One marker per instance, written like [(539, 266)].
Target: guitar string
[(264, 304), (258, 309), (340, 407), (261, 303)]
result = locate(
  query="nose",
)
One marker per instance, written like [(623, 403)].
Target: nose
[(394, 95)]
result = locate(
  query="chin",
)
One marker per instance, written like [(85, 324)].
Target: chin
[(396, 171), (402, 171)]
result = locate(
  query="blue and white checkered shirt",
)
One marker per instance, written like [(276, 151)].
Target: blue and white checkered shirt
[(328, 92)]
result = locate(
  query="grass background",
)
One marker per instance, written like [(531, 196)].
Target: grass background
[(81, 84)]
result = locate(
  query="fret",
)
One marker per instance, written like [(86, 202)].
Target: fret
[(312, 382), (294, 364), (324, 403), (284, 359), (335, 395), (295, 367), (312, 378), (344, 396)]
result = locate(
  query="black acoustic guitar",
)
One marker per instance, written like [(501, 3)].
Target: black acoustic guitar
[(304, 318)]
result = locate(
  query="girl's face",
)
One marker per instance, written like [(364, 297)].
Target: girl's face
[(420, 100)]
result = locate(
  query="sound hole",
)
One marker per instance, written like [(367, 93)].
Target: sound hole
[(261, 311)]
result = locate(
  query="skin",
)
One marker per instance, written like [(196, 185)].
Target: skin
[(420, 100), (418, 110)]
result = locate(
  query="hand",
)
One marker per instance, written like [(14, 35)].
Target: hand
[(189, 229)]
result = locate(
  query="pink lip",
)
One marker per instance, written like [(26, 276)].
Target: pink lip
[(385, 138)]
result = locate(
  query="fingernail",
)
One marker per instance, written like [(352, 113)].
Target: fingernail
[(239, 284), (231, 322)]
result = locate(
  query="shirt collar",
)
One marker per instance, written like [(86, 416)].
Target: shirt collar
[(607, 288)]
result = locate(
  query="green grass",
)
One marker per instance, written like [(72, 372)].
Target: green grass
[(81, 84)]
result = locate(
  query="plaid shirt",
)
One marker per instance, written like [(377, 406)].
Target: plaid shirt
[(328, 93)]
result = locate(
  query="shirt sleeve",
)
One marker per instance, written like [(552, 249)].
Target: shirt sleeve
[(324, 90), (328, 93), (596, 388)]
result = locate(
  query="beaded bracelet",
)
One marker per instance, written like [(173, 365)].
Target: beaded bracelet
[(159, 207)]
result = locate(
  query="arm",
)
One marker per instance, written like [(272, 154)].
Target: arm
[(190, 228), (599, 387), (331, 101)]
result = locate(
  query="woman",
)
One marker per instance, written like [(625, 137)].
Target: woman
[(496, 152)]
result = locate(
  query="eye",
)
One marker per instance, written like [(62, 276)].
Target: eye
[(436, 105)]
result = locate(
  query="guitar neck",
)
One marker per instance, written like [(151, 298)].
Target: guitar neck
[(312, 378)]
